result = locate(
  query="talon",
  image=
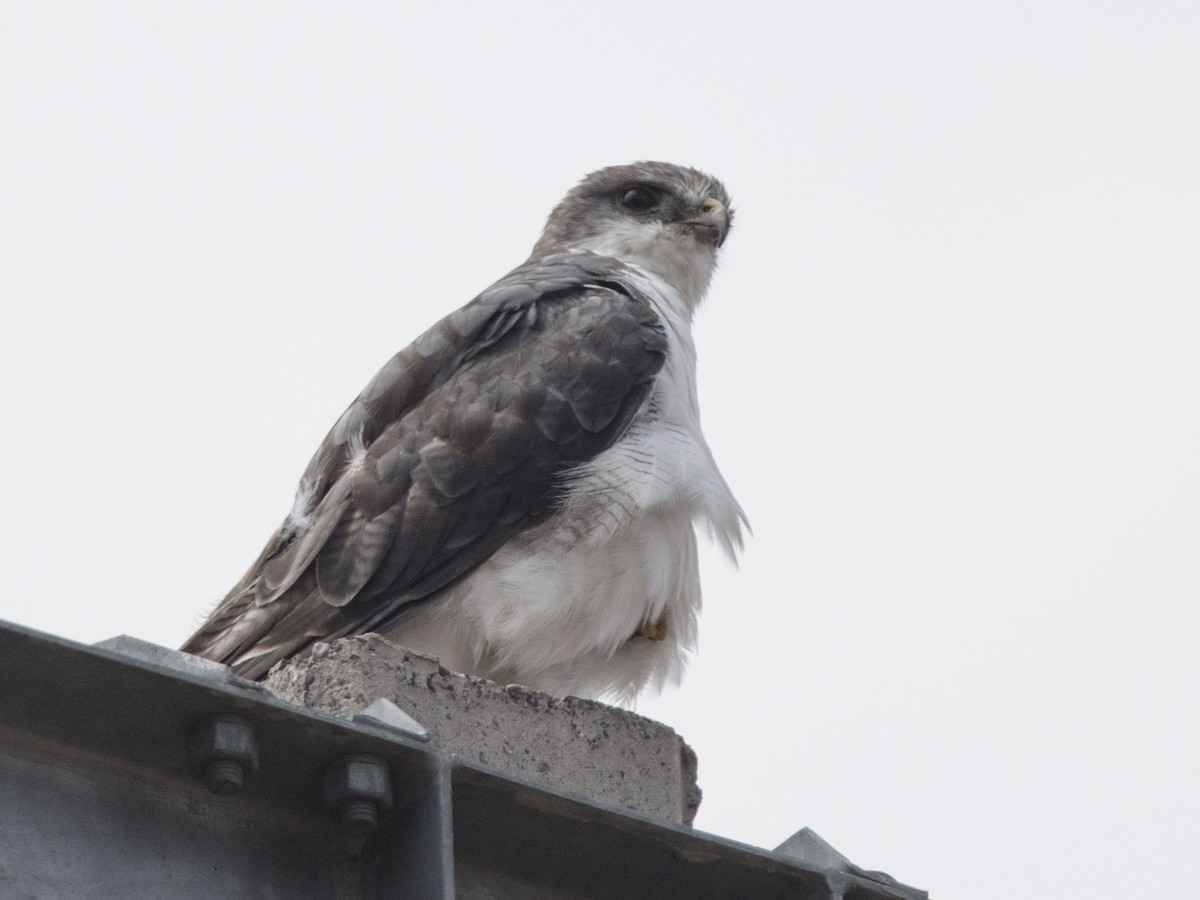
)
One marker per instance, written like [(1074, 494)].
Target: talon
[(653, 631)]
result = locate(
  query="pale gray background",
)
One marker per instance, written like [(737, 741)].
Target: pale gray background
[(949, 365)]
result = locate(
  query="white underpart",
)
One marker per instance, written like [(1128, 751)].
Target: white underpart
[(557, 608)]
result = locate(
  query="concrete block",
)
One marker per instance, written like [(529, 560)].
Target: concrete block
[(601, 752)]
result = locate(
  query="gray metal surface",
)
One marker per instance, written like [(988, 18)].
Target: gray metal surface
[(99, 799)]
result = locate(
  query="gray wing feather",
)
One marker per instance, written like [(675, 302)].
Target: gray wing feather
[(459, 442)]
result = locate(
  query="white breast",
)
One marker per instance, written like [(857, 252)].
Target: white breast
[(557, 608)]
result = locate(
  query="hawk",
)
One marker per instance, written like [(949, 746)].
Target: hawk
[(517, 492)]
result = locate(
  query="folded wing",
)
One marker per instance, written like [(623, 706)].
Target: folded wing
[(461, 441)]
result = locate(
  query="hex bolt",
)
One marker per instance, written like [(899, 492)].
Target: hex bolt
[(224, 776), (222, 751), (359, 817), (358, 791)]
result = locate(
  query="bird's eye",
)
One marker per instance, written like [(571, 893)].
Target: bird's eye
[(637, 199)]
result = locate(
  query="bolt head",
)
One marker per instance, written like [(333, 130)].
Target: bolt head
[(358, 776), (224, 739)]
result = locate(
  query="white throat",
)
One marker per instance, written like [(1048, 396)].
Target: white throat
[(670, 252)]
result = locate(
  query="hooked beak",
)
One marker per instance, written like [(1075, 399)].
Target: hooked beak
[(711, 222)]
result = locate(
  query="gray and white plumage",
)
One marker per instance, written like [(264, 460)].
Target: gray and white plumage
[(517, 491)]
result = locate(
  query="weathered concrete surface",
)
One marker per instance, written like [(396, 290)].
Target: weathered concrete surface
[(604, 753)]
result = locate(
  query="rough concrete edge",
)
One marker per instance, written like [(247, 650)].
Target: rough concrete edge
[(689, 771), (550, 701)]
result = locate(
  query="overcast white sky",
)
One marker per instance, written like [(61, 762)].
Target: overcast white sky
[(950, 364)]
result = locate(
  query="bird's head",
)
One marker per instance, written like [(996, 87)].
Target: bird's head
[(669, 220)]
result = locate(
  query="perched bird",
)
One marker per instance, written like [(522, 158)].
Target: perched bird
[(517, 491)]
